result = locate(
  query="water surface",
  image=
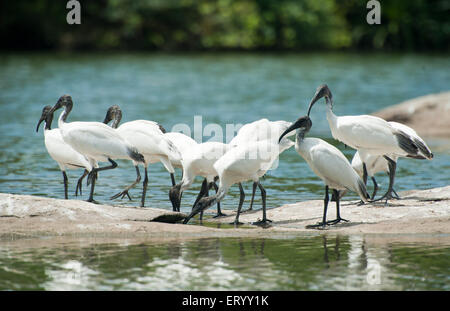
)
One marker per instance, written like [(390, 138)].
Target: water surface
[(297, 263)]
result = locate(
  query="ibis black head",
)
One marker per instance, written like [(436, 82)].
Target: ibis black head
[(321, 91), (303, 123), (202, 204), (113, 113), (47, 117), (63, 101)]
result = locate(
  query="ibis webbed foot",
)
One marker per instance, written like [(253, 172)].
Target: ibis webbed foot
[(92, 201), (123, 194), (336, 221), (78, 188), (263, 223), (319, 226), (219, 215)]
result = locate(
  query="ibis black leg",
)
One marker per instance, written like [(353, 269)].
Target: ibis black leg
[(91, 179), (206, 195), (172, 177), (125, 191), (375, 188), (144, 187), (364, 173), (392, 167), (396, 196), (338, 213), (219, 211), (255, 184), (241, 202), (80, 182), (65, 185), (364, 178), (203, 191), (324, 217), (264, 220), (93, 176)]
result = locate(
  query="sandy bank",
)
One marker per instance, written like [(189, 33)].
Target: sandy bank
[(429, 115), (419, 212)]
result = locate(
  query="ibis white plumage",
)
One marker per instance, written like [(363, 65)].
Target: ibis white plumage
[(329, 164), (183, 143), (95, 140), (369, 135), (63, 153), (198, 160), (187, 146), (260, 130), (150, 141), (248, 161), (375, 163)]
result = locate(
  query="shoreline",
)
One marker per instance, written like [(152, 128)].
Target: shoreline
[(419, 213)]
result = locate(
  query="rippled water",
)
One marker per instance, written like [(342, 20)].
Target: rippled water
[(229, 88), (302, 263)]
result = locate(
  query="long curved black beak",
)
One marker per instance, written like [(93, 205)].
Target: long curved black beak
[(202, 205), (294, 126), (316, 97), (194, 212), (186, 220), (54, 108), (39, 123)]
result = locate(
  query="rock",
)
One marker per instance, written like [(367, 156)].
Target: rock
[(425, 211), (429, 115)]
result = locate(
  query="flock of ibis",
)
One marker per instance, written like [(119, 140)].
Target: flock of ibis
[(247, 157)]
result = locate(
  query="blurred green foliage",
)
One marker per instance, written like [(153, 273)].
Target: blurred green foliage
[(173, 25)]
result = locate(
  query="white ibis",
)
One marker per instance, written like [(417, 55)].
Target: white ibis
[(329, 164), (183, 143), (374, 163), (257, 131), (95, 140), (63, 153), (198, 160), (371, 166), (248, 161), (193, 154), (369, 135), (149, 139)]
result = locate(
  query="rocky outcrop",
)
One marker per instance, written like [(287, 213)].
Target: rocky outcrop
[(426, 211), (429, 115)]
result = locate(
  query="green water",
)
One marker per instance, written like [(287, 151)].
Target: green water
[(296, 263)]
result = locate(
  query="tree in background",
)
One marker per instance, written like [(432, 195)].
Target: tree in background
[(179, 25)]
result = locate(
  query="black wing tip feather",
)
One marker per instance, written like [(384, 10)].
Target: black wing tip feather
[(162, 128), (407, 144), (135, 155), (426, 152)]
